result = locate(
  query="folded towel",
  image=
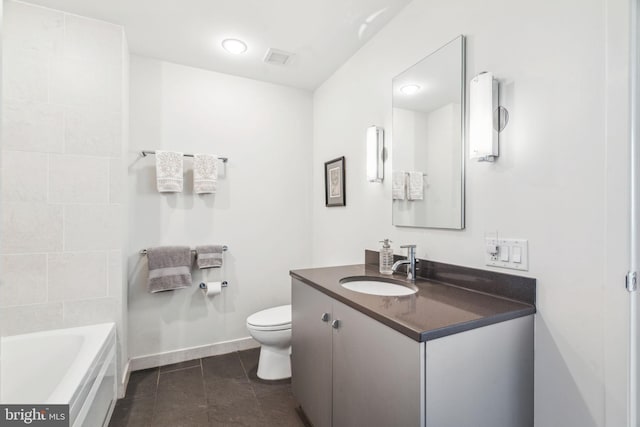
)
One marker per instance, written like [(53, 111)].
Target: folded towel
[(398, 187), (205, 173), (169, 268), (416, 186), (169, 171), (209, 256)]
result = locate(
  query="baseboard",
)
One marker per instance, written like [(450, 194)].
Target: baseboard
[(184, 354)]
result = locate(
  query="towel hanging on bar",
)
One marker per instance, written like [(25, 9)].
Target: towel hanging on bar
[(209, 256), (205, 173), (169, 268), (169, 171)]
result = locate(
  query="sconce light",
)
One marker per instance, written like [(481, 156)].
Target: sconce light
[(483, 112), (375, 152)]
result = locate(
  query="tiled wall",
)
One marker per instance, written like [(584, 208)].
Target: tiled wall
[(62, 170)]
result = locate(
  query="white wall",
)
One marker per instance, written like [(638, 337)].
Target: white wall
[(261, 209), (429, 142), (64, 98), (552, 184)]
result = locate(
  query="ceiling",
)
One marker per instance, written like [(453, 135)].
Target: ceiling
[(440, 77), (322, 34)]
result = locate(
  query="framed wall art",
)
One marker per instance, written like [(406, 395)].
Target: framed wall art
[(334, 186)]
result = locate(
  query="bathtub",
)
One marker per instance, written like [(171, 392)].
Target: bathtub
[(74, 366)]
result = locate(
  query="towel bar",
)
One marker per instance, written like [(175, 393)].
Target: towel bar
[(203, 285), (144, 251), (145, 153)]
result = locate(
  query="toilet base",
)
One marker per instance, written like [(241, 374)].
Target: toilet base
[(274, 363)]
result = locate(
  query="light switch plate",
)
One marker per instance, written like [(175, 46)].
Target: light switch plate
[(510, 247)]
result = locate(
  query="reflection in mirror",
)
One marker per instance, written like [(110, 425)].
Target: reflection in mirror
[(428, 141)]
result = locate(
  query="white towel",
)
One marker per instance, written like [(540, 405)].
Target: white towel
[(169, 171), (398, 187), (205, 173), (416, 186)]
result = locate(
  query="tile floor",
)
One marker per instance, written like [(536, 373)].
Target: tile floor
[(214, 391)]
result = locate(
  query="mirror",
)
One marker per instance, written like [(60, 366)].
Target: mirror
[(428, 141)]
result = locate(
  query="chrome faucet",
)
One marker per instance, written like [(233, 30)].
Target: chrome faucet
[(410, 262)]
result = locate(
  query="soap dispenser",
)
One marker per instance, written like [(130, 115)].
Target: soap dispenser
[(386, 257)]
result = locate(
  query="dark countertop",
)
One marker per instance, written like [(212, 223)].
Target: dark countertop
[(436, 310)]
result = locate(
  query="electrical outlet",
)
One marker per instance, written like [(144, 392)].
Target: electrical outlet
[(491, 249), (507, 253)]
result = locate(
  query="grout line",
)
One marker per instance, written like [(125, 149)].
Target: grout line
[(34, 304), (246, 374), (244, 369), (180, 369), (65, 154), (155, 398), (205, 395)]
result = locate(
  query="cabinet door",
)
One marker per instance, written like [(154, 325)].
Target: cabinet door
[(378, 376), (486, 374), (311, 352)]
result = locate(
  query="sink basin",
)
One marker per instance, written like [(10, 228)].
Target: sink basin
[(377, 286)]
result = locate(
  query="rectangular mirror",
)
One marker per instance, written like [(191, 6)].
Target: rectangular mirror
[(428, 141)]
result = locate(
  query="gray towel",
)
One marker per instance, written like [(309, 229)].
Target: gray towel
[(169, 268), (209, 256)]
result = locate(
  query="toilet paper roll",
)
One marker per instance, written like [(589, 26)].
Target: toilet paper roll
[(211, 289)]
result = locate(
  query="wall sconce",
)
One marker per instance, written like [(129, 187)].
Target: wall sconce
[(375, 153), (486, 118)]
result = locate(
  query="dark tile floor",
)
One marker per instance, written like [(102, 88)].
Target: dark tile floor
[(214, 391)]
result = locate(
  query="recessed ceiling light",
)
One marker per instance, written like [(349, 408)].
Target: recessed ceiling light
[(234, 46), (409, 89)]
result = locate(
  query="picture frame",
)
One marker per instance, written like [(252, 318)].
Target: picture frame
[(334, 183)]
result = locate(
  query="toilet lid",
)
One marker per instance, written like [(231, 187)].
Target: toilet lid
[(276, 316)]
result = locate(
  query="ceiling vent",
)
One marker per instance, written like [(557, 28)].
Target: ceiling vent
[(277, 57)]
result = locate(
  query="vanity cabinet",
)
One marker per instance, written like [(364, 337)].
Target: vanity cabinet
[(343, 360), (311, 362), (349, 369)]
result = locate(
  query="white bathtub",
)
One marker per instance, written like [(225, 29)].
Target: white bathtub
[(74, 366)]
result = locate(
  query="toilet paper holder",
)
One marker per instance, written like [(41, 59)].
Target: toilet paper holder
[(203, 285)]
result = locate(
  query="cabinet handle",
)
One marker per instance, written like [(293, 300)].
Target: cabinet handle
[(335, 324), (325, 317)]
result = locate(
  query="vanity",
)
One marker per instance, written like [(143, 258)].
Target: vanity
[(457, 352)]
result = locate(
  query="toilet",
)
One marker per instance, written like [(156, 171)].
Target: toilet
[(272, 329)]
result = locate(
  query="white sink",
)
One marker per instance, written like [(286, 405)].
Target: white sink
[(375, 286)]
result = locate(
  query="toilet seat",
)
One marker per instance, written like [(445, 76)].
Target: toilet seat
[(271, 319)]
